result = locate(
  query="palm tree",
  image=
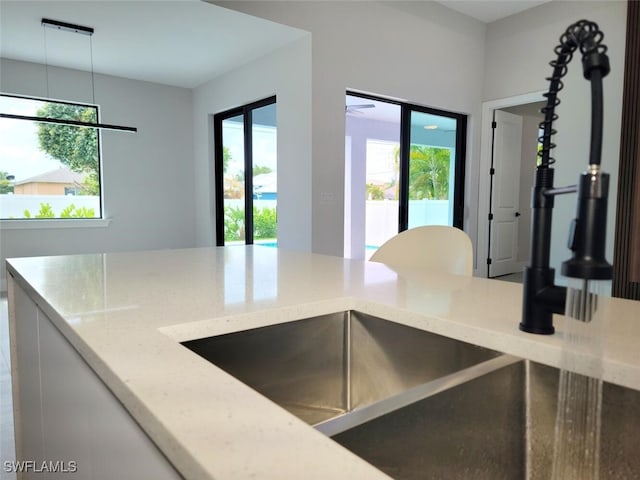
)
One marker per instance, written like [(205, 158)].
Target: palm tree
[(428, 172)]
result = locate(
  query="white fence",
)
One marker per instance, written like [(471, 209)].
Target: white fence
[(382, 217), (13, 206)]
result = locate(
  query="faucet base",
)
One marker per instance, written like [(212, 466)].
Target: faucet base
[(541, 300), (537, 330)]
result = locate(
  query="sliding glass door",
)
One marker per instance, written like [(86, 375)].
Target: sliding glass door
[(246, 174), (433, 179), (404, 168)]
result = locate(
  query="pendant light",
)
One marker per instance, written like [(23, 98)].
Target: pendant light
[(88, 31)]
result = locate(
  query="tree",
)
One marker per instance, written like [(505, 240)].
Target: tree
[(233, 224), (75, 147), (374, 192), (258, 170), (90, 185), (265, 225), (5, 184), (428, 172), (226, 156)]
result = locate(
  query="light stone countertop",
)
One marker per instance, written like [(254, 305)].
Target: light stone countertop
[(126, 313)]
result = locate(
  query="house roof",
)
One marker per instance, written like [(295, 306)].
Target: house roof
[(59, 175)]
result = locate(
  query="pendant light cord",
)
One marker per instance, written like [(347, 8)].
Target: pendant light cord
[(46, 62), (68, 27), (46, 66), (93, 80)]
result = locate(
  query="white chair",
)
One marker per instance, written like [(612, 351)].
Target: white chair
[(437, 248)]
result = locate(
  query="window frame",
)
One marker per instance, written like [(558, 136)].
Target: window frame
[(405, 144), (59, 222), (218, 119)]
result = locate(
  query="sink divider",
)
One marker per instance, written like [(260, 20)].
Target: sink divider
[(346, 363), (360, 415)]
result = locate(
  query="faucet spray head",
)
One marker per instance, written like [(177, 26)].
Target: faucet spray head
[(588, 230), (587, 241)]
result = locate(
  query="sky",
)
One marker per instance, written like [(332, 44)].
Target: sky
[(265, 151), (20, 154), (380, 161)]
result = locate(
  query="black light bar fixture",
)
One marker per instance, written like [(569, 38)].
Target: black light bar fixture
[(88, 31), (67, 27), (71, 123)]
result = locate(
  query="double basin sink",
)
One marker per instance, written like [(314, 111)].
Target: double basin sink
[(415, 404)]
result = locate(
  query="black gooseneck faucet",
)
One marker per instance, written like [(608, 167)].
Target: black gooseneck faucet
[(541, 297)]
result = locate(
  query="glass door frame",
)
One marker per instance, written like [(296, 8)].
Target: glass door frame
[(405, 146), (247, 113), (405, 151)]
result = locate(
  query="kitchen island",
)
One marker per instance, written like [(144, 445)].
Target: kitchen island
[(123, 315)]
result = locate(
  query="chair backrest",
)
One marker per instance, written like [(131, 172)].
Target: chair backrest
[(437, 248)]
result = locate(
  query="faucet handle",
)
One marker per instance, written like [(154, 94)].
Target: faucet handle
[(572, 243)]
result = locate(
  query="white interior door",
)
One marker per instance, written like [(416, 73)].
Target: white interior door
[(505, 192)]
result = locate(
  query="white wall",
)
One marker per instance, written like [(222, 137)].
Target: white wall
[(287, 74), (415, 51), (518, 50), (157, 161)]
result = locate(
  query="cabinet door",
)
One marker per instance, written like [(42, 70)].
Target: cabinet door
[(25, 367), (65, 404), (65, 416), (85, 424)]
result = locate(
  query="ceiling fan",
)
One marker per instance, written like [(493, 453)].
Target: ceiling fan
[(355, 109)]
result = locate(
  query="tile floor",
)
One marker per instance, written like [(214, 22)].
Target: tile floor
[(512, 277), (7, 447)]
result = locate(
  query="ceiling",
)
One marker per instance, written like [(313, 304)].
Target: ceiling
[(182, 43), (174, 42), (489, 11), (529, 109), (360, 108)]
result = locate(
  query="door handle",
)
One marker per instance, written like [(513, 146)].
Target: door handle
[(517, 214)]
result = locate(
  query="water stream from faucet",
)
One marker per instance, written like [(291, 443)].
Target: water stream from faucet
[(576, 454)]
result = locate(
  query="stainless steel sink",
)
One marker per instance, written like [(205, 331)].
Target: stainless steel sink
[(418, 405), (498, 426), (339, 370)]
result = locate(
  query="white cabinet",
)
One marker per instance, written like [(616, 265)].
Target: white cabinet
[(25, 352), (65, 414)]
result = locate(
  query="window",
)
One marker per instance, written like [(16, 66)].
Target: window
[(47, 170), (404, 168), (246, 161)]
